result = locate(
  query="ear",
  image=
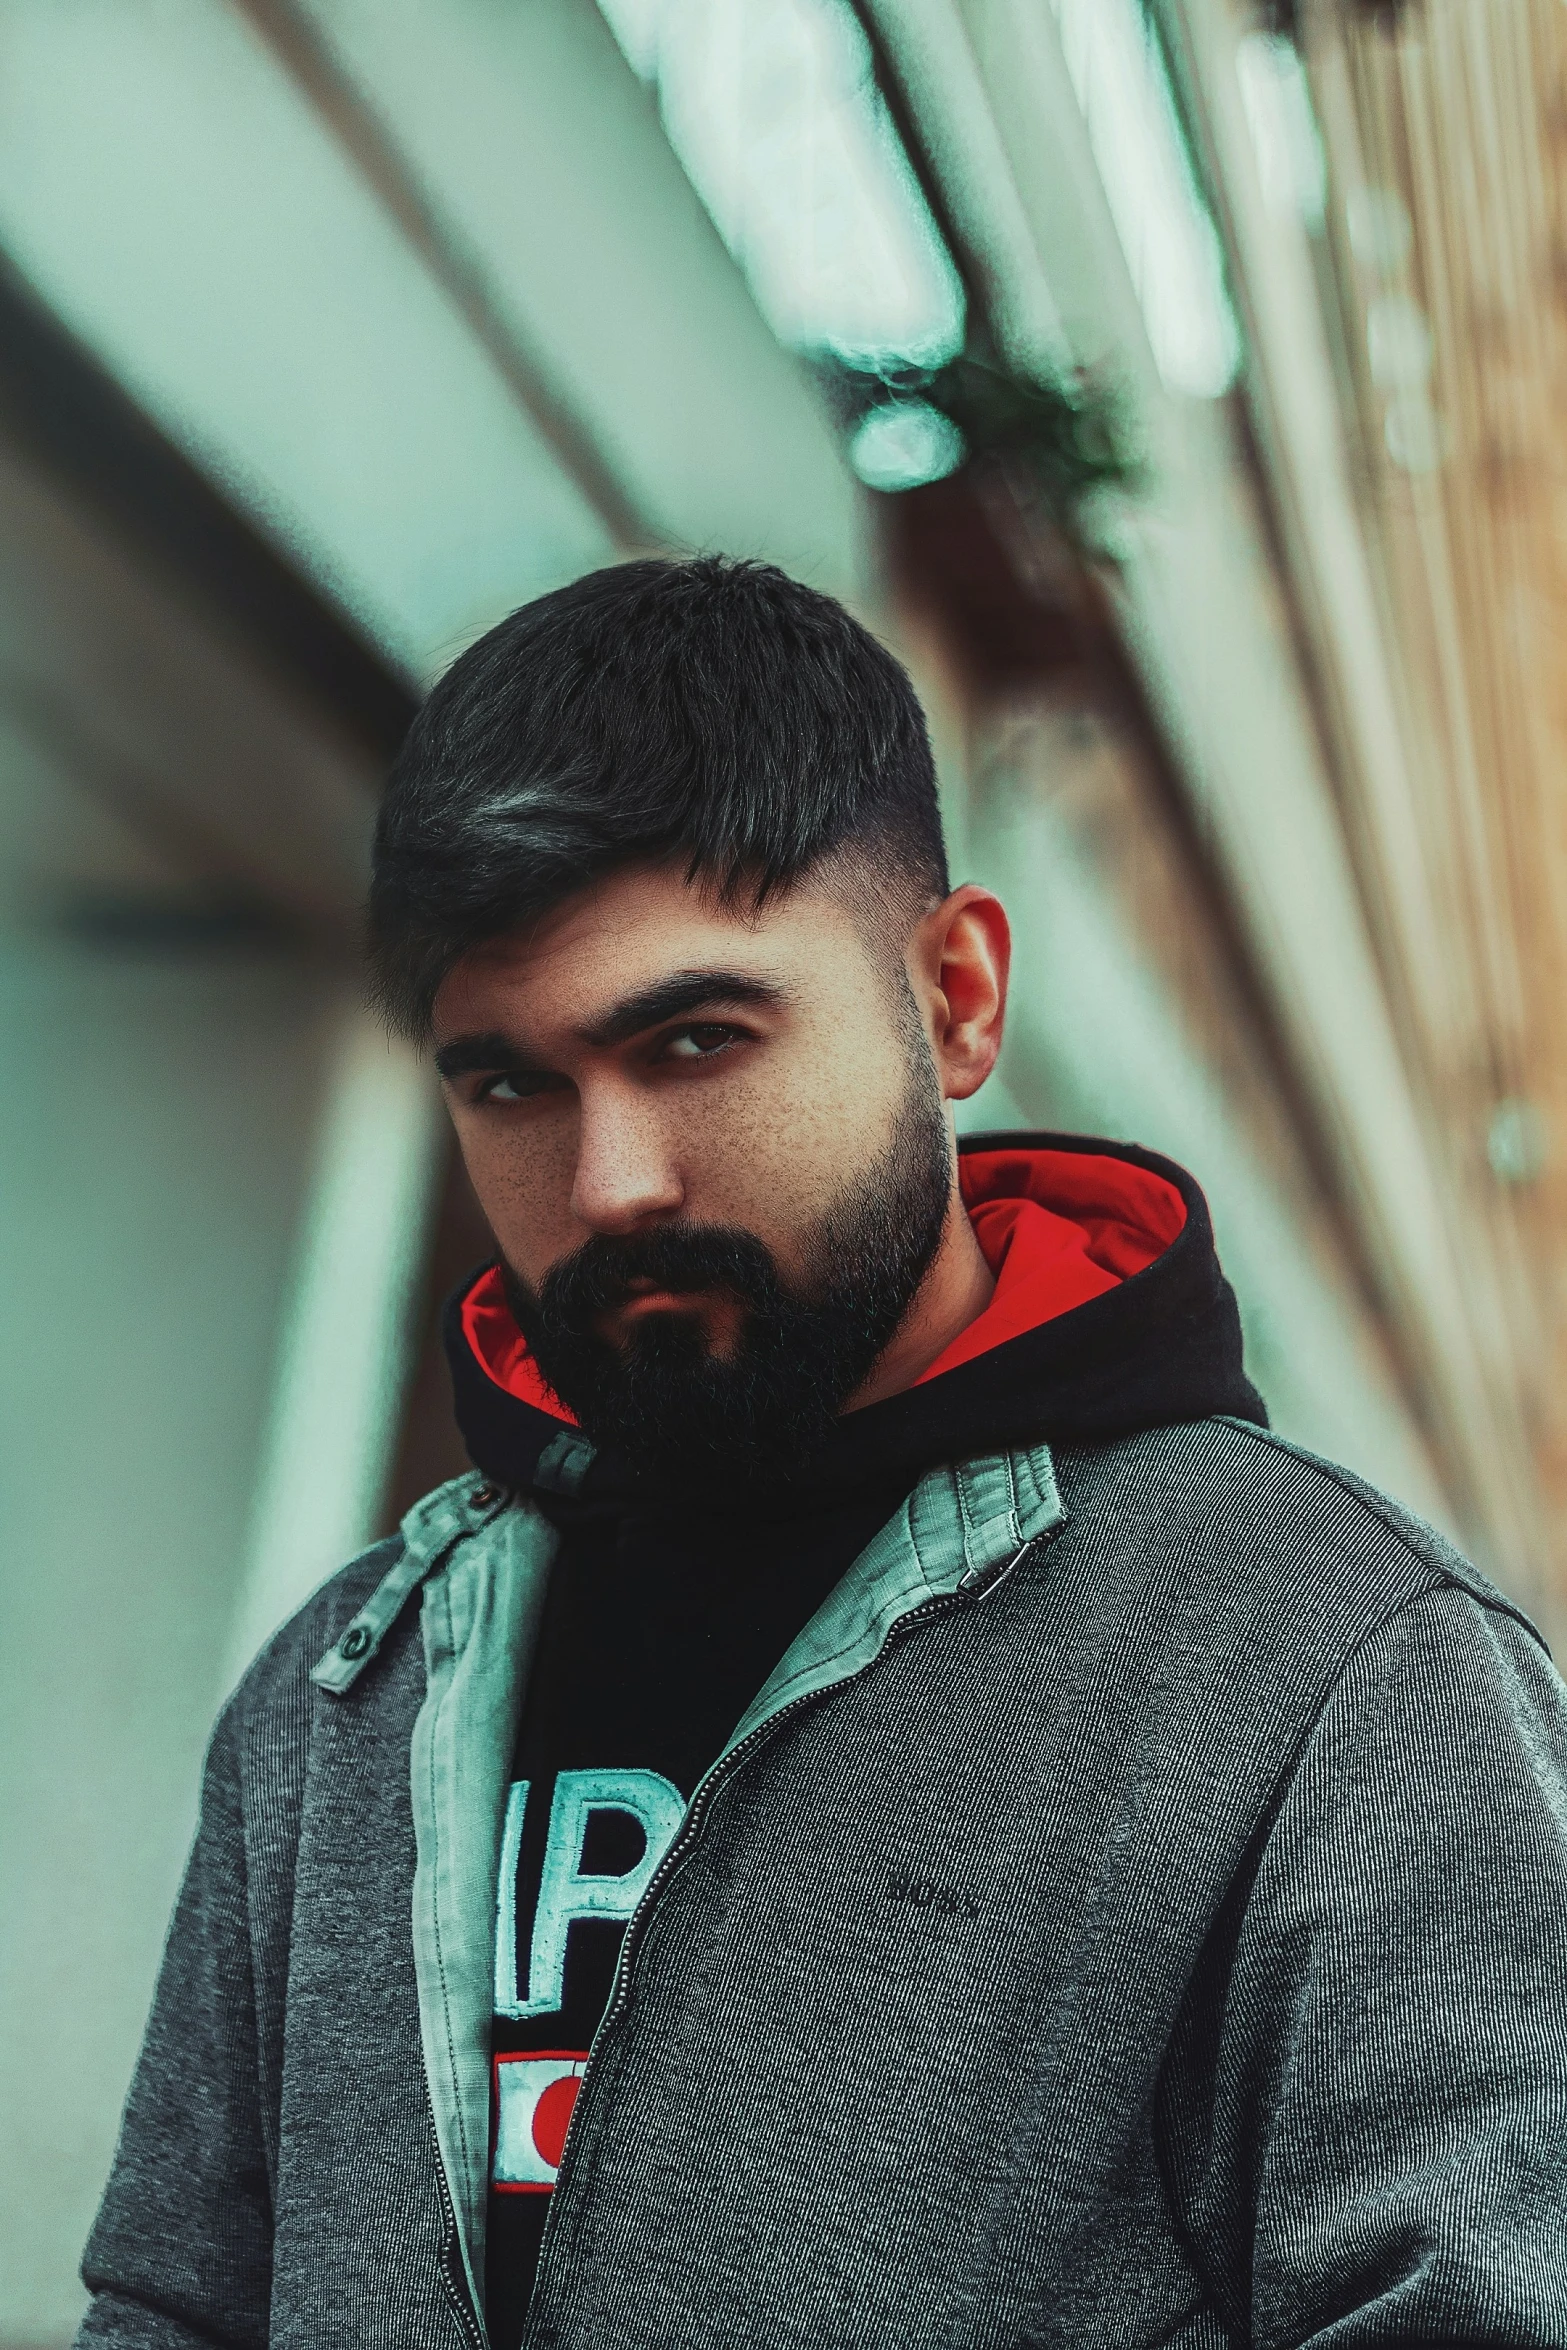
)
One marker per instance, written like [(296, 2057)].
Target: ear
[(959, 957)]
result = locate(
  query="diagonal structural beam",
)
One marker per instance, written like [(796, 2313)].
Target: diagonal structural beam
[(337, 100)]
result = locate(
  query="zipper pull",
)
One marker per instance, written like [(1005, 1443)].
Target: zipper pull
[(979, 1582)]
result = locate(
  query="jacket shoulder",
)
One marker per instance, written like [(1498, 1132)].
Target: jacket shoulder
[(1247, 1518), (1376, 1515), (299, 1643), (263, 1731), (345, 1623)]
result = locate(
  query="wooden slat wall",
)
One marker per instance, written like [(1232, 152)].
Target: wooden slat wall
[(1445, 123)]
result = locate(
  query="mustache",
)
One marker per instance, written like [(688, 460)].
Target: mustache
[(598, 1276), (666, 1404)]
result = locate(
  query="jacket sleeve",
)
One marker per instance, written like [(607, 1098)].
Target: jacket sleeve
[(1388, 2157), (181, 2250)]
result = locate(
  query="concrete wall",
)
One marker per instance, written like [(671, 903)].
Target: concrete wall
[(156, 1152)]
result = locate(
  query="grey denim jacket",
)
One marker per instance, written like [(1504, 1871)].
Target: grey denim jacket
[(1133, 1913)]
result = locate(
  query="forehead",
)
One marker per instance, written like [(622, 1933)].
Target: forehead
[(631, 929)]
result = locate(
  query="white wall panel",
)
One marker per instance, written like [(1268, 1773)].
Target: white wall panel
[(154, 1154)]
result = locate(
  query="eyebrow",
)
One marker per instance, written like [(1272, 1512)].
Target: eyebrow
[(484, 1049), (661, 999), (681, 991)]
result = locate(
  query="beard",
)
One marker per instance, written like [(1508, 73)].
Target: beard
[(664, 1403)]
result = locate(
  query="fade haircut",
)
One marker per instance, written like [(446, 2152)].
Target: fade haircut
[(709, 712)]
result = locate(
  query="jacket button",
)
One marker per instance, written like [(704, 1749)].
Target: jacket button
[(483, 1495), (354, 1642)]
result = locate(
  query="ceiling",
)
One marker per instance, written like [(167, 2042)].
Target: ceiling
[(414, 311)]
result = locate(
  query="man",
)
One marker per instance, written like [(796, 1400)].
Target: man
[(981, 1843)]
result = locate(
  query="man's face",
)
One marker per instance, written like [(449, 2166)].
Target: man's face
[(712, 1148)]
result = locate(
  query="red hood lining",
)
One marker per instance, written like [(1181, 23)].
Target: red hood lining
[(1057, 1228)]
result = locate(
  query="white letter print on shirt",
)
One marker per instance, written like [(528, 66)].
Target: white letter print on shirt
[(566, 1891)]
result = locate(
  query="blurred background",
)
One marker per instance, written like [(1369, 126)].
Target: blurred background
[(1175, 386)]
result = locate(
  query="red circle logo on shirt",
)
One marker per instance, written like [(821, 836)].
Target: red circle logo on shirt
[(551, 2116)]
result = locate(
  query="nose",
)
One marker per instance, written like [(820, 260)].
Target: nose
[(626, 1174)]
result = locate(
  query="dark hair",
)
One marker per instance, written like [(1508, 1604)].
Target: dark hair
[(709, 710)]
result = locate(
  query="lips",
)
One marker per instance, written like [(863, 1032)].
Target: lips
[(644, 1299), (658, 1301)]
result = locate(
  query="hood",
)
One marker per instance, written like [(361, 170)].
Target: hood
[(1110, 1315)]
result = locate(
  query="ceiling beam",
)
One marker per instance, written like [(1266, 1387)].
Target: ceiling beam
[(61, 411), (339, 103)]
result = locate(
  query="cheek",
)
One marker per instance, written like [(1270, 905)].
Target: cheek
[(770, 1149), (522, 1172)]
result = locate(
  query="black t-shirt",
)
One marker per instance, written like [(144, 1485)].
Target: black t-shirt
[(659, 1628)]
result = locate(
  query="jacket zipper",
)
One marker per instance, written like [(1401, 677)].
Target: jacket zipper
[(966, 1594), (454, 2274)]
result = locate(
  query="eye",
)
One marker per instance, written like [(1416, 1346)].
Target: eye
[(514, 1085), (699, 1041)]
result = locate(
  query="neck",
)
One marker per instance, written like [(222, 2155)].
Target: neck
[(955, 1291)]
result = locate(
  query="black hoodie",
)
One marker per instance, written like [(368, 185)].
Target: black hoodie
[(664, 1618)]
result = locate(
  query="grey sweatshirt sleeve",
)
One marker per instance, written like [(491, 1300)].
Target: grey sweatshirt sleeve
[(181, 2250), (1388, 2159)]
